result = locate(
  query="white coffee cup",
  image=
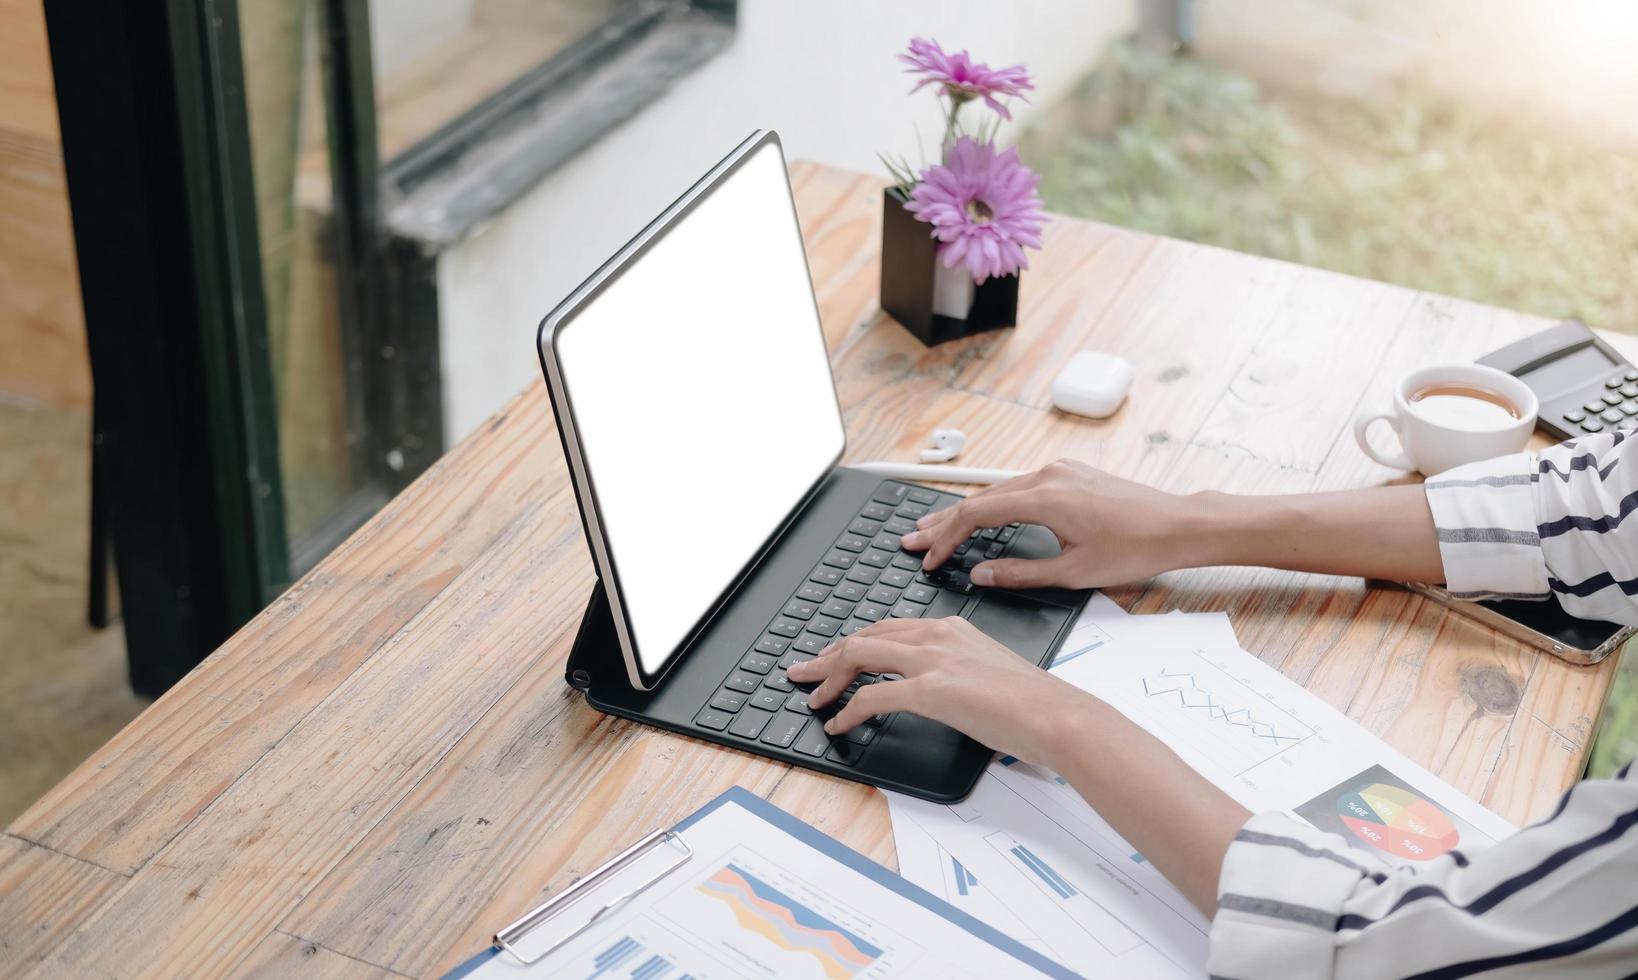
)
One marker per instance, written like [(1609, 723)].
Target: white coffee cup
[(1442, 432)]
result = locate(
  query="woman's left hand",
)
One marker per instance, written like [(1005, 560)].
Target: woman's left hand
[(951, 673)]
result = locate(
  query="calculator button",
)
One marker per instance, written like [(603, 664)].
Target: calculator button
[(1628, 407), (757, 663), (1593, 408), (1627, 425), (1612, 398), (1613, 383), (1611, 416), (784, 729), (713, 719), (750, 723), (1574, 417), (1592, 425), (729, 701), (1631, 375), (1630, 390)]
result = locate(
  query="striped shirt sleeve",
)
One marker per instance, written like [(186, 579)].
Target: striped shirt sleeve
[(1528, 527), (1556, 898)]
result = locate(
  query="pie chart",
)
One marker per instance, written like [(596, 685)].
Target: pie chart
[(1395, 820)]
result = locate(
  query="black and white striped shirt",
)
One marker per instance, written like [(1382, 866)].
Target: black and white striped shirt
[(1559, 898)]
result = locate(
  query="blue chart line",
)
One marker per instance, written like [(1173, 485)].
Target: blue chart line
[(1064, 658), (964, 879), (623, 949), (1044, 872), (1195, 696)]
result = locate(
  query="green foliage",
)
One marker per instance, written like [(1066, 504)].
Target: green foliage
[(1403, 189)]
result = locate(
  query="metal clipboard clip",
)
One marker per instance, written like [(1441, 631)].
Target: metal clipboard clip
[(546, 910)]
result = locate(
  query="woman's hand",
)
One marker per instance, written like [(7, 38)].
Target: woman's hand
[(952, 673), (1110, 530)]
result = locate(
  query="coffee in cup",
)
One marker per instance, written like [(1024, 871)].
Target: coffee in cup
[(1449, 415)]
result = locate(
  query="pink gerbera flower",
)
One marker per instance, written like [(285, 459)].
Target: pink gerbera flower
[(964, 79), (982, 207)]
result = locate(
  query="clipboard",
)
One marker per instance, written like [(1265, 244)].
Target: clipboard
[(602, 895)]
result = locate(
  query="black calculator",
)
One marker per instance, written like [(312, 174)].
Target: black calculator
[(1583, 385)]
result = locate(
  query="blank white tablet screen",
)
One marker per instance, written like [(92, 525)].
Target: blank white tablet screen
[(702, 398)]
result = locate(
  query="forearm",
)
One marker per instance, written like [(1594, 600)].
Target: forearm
[(1379, 532), (1176, 819)]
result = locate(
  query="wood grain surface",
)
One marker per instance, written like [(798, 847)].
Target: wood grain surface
[(385, 765)]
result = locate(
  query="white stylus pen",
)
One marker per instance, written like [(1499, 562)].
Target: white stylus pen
[(935, 472)]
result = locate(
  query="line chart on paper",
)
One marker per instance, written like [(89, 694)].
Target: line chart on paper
[(1211, 713)]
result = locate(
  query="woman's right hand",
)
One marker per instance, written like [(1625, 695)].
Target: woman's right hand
[(1110, 531)]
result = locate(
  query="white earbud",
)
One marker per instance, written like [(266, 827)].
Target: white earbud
[(946, 446)]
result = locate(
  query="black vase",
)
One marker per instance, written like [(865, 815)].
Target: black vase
[(909, 257)]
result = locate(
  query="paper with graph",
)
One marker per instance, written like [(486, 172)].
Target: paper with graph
[(1025, 853), (762, 895)]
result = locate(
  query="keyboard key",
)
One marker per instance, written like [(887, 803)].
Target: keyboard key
[(757, 663), (773, 646), (782, 731), (845, 752), (798, 702), (837, 609), (898, 525), (850, 592), (988, 534), (812, 592), (825, 575), (1594, 407), (995, 550), (861, 735), (792, 658), (920, 593), (1612, 398), (1629, 390), (1628, 407), (750, 722), (877, 721), (936, 578), (742, 682), (769, 700), (852, 626), (785, 627), (729, 701), (798, 609), (876, 512), (898, 578), (876, 559), (777, 681), (810, 643), (852, 542), (839, 559), (890, 542), (890, 493), (922, 495), (713, 719), (1574, 417), (883, 595), (1613, 383), (911, 512), (824, 625), (909, 563), (908, 610), (1592, 425), (813, 740), (963, 548), (863, 574), (1631, 375), (1611, 416), (864, 528), (958, 582), (870, 612), (1005, 535)]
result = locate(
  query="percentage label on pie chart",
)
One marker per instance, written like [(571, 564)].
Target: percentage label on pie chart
[(1398, 821)]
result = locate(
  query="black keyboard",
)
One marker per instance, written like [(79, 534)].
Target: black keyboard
[(865, 577)]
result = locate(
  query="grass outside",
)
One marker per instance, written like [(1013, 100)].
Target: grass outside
[(1406, 190)]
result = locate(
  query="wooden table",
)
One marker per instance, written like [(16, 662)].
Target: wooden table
[(385, 765)]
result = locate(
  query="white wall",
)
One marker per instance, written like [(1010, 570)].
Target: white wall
[(822, 74)]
